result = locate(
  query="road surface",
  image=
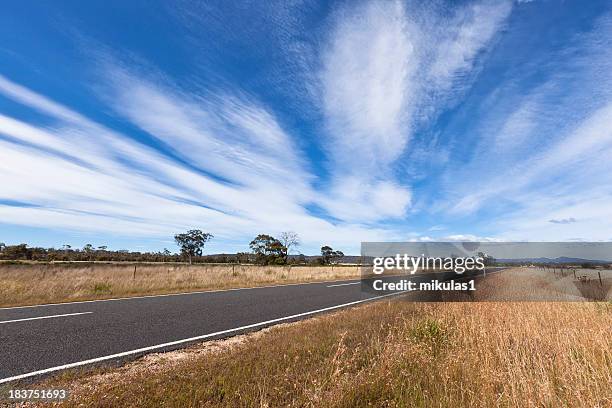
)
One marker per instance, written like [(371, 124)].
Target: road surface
[(38, 340)]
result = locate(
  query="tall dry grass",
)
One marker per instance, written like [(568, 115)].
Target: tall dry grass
[(24, 284)]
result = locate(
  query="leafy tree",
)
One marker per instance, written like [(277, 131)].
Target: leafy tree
[(268, 250), (192, 242), (329, 256), (326, 253)]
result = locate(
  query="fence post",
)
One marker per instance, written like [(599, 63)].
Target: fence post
[(574, 273), (600, 282), (134, 275)]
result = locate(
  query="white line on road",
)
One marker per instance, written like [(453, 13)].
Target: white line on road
[(344, 284), (43, 317), (177, 342)]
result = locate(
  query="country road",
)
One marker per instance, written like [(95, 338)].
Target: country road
[(38, 340)]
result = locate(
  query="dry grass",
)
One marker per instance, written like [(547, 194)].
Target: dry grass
[(394, 353), (24, 284), (534, 284)]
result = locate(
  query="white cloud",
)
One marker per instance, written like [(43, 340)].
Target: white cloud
[(386, 69), (455, 238), (569, 220), (466, 34), (367, 80), (79, 175), (364, 201), (230, 137), (581, 157), (543, 153)]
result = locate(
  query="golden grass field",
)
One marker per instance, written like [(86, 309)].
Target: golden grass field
[(388, 353), (27, 284)]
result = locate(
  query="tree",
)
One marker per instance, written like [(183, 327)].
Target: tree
[(487, 259), (329, 256), (102, 248), (268, 250), (289, 239), (20, 251), (192, 242), (243, 257), (326, 253), (88, 249), (338, 255), (2, 246), (165, 254)]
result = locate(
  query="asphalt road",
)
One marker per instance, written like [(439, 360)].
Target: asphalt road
[(39, 340)]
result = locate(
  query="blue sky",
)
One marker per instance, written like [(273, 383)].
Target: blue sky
[(122, 123)]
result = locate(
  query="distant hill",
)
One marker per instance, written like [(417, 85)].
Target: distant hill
[(558, 260), (347, 259)]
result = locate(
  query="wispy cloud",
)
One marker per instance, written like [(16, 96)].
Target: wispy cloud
[(563, 221), (543, 153), (80, 175), (367, 77), (384, 70), (455, 42)]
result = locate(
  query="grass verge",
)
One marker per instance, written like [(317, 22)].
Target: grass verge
[(23, 284)]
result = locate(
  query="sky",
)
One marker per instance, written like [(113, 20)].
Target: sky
[(124, 123)]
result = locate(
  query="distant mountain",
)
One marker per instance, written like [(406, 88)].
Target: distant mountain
[(347, 259), (558, 260)]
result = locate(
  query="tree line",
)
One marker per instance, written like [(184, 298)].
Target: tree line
[(265, 250)]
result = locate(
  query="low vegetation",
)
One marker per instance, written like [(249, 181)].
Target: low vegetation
[(27, 284)]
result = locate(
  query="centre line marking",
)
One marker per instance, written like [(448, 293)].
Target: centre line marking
[(191, 339), (44, 317), (344, 284)]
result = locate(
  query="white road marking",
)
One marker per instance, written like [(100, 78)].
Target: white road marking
[(174, 343), (344, 284), (43, 317), (165, 295)]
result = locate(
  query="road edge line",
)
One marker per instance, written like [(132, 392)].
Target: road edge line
[(187, 340)]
